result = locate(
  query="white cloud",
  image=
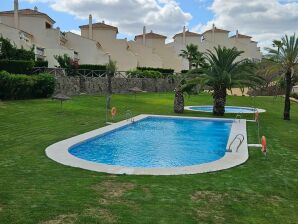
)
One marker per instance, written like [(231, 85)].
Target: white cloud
[(164, 16), (263, 20)]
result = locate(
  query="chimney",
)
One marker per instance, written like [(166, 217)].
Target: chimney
[(237, 33), (213, 31), (16, 14), (90, 33), (184, 36), (144, 35)]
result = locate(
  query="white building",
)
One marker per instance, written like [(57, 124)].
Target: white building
[(98, 41)]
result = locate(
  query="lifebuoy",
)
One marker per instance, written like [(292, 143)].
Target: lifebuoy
[(113, 111), (257, 116), (264, 144)]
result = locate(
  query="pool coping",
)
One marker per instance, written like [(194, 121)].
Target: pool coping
[(59, 151), (189, 109)]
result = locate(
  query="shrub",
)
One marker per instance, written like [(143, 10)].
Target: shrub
[(93, 67), (11, 52), (184, 71), (25, 87), (144, 74), (164, 71), (16, 66), (294, 95), (41, 64)]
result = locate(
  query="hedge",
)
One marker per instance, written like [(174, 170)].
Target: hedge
[(144, 74), (41, 64), (93, 67), (13, 87), (164, 71), (17, 66)]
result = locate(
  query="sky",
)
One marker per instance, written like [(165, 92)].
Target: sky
[(264, 20)]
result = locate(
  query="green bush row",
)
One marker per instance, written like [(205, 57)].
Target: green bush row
[(163, 71), (15, 87), (41, 64), (17, 66), (144, 74)]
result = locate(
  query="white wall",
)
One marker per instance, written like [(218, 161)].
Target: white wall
[(89, 53)]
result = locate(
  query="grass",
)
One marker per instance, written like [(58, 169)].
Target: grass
[(35, 189)]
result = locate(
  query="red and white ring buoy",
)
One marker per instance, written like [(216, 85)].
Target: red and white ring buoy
[(113, 111), (264, 145)]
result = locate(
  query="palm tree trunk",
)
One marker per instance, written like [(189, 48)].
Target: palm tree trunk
[(179, 102), (219, 101), (287, 96)]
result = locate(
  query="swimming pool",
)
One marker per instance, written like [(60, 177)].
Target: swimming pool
[(228, 109), (155, 145), (158, 142)]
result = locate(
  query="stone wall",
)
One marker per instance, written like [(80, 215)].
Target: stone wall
[(71, 86)]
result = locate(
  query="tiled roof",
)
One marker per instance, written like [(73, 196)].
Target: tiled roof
[(216, 30), (27, 12), (241, 36), (188, 34), (101, 26), (151, 35)]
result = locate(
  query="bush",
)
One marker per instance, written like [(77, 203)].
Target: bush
[(11, 52), (184, 71), (93, 67), (41, 64), (144, 74), (16, 66), (163, 71), (25, 87), (294, 95)]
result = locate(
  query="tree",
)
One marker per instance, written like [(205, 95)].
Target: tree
[(223, 72), (285, 58), (111, 69), (191, 54)]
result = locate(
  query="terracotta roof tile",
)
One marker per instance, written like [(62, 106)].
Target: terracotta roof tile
[(188, 34), (241, 36), (151, 35), (27, 12), (101, 26), (216, 30)]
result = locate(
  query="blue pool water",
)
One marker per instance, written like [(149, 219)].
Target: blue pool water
[(228, 109), (158, 142)]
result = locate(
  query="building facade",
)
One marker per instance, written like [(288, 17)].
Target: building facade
[(98, 42)]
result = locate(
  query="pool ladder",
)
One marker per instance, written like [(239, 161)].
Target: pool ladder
[(238, 117), (129, 116), (240, 137)]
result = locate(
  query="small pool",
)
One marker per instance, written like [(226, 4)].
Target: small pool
[(156, 145), (228, 109), (156, 142)]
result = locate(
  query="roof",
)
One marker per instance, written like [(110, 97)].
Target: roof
[(241, 36), (188, 34), (27, 12), (216, 30), (151, 35), (100, 26)]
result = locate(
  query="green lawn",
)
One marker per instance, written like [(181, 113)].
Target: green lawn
[(35, 189)]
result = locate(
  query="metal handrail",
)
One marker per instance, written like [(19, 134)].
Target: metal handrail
[(240, 142), (128, 115), (239, 117)]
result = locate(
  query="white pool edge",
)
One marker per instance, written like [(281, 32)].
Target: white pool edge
[(258, 109), (59, 152)]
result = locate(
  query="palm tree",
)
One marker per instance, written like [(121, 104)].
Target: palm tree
[(191, 53), (286, 60), (223, 72)]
